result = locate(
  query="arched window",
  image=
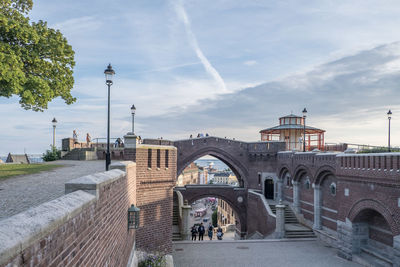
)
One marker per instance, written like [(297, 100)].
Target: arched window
[(307, 183), (332, 189), (288, 180)]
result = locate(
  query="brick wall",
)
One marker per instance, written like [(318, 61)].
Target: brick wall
[(84, 227), (155, 195), (265, 222)]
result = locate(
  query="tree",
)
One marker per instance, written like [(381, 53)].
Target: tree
[(36, 62), (214, 218)]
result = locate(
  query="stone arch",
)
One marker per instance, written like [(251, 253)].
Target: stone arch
[(377, 206), (300, 171), (283, 170), (322, 173), (239, 209), (235, 165)]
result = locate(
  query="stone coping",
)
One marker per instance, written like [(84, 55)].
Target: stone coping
[(24, 229), (93, 182)]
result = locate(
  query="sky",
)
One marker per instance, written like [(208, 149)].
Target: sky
[(227, 68)]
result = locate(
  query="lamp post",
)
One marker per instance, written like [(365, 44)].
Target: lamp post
[(109, 73), (133, 110), (54, 122), (389, 114), (304, 129)]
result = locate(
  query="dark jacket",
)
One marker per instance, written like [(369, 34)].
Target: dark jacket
[(194, 231), (201, 230)]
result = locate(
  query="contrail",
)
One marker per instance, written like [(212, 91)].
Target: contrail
[(180, 10)]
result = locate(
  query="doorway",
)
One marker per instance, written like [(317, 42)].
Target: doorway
[(269, 189)]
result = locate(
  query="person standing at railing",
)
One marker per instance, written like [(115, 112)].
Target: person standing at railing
[(88, 139)]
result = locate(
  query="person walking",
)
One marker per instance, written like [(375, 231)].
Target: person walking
[(201, 231), (210, 231), (194, 232), (219, 233)]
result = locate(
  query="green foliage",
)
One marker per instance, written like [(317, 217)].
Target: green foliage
[(211, 182), (378, 150), (36, 62), (214, 218), (52, 154), (153, 261)]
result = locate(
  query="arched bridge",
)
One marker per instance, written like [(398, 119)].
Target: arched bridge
[(239, 156), (236, 197)]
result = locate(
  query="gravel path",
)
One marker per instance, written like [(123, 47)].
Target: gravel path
[(19, 193)]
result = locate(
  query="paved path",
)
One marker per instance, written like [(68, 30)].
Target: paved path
[(254, 253), (22, 192)]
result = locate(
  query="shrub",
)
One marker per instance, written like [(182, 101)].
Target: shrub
[(153, 261), (52, 154), (215, 218)]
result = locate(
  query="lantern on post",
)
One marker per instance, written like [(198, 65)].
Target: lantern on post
[(133, 217)]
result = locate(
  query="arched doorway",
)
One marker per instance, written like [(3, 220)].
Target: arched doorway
[(269, 188)]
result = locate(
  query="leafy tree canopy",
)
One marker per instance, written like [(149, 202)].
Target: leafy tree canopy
[(36, 62)]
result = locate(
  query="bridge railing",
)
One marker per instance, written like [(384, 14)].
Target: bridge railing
[(376, 161)]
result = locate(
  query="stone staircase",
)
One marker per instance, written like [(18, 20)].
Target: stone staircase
[(176, 234), (293, 229)]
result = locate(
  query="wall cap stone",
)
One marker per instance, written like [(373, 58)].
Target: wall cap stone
[(23, 229), (93, 182)]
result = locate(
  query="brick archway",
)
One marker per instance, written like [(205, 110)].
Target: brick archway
[(236, 198), (228, 151)]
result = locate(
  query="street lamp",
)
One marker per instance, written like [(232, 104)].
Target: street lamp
[(54, 122), (389, 114), (133, 110), (133, 217), (109, 73), (304, 129)]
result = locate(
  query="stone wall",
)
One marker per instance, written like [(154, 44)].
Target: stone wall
[(86, 227)]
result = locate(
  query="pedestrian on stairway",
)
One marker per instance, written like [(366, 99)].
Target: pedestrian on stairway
[(194, 232), (201, 231), (210, 231)]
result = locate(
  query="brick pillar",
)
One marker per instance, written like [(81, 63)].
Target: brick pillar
[(296, 197), (317, 207), (185, 227), (280, 189), (280, 221)]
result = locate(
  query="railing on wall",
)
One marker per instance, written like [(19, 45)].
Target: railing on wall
[(375, 161)]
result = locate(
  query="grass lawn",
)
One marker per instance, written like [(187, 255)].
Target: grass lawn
[(8, 170)]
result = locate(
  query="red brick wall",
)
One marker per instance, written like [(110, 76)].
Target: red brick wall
[(154, 195), (258, 218), (96, 236)]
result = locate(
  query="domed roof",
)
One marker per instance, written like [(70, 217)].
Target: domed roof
[(290, 116)]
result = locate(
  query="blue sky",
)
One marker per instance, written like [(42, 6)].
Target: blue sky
[(229, 68)]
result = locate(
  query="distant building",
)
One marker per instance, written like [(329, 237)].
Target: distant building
[(203, 175), (225, 214), (14, 158), (291, 131), (190, 175)]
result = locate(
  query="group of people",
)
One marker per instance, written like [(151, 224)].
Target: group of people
[(200, 230), (199, 135), (75, 137)]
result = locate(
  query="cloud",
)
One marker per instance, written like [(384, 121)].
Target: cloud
[(250, 62), (348, 97), (182, 15)]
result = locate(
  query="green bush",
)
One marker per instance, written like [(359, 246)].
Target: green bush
[(214, 218), (52, 154), (153, 261)]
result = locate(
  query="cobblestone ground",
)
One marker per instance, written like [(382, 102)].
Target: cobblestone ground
[(22, 192), (255, 253)]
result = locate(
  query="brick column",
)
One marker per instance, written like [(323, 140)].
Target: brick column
[(296, 197), (317, 206), (280, 189), (185, 227), (280, 221)]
